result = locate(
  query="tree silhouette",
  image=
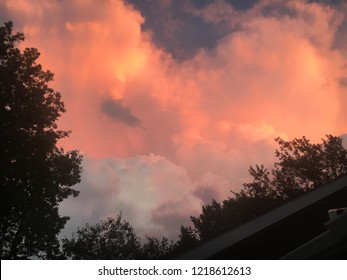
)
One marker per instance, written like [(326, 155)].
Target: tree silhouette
[(112, 239), (188, 239), (156, 249), (35, 174), (301, 167)]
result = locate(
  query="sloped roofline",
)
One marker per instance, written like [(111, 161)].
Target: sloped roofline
[(227, 239)]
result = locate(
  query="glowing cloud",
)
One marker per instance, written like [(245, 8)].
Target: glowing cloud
[(162, 136)]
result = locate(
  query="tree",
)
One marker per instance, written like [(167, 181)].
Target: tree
[(35, 175), (155, 249), (301, 167), (112, 239), (187, 240), (210, 222)]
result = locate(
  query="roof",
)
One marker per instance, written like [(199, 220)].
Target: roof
[(331, 243), (282, 230)]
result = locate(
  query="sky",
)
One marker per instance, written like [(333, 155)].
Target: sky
[(170, 102)]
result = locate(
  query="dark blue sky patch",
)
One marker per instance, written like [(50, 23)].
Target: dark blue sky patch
[(327, 2), (243, 4), (278, 10), (176, 30), (183, 34)]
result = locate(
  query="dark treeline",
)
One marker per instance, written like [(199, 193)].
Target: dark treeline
[(36, 176), (301, 167)]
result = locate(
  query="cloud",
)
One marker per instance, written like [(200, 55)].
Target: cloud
[(277, 70), (214, 12), (343, 81), (152, 193), (117, 111)]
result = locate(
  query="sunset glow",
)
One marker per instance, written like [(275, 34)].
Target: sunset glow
[(162, 134)]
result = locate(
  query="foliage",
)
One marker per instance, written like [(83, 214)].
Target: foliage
[(211, 220), (301, 167), (35, 175), (188, 239), (112, 239), (155, 249)]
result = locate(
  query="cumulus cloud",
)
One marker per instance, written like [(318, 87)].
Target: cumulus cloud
[(278, 71), (152, 193)]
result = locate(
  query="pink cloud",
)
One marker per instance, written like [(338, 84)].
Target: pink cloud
[(201, 122)]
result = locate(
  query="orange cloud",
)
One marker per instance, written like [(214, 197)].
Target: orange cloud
[(192, 127)]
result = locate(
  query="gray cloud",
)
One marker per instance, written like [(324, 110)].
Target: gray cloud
[(153, 194), (170, 216), (343, 81), (206, 193), (115, 109), (344, 140), (4, 14)]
